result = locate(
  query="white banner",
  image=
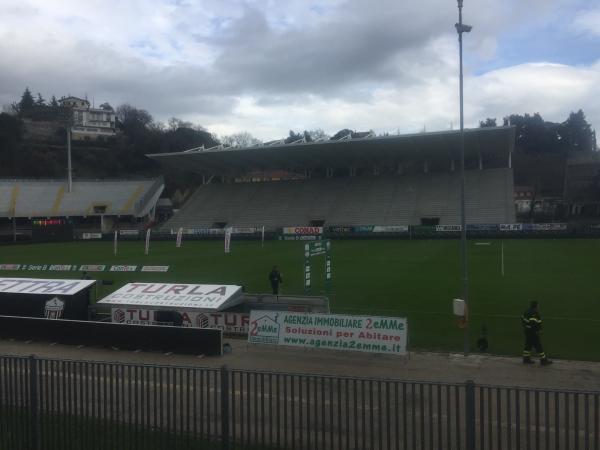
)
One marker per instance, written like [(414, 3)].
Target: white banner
[(10, 266), (147, 247), (303, 230), (155, 268), (228, 240), (61, 267), (243, 230), (129, 232), (42, 286), (179, 237), (123, 268), (92, 268), (448, 228), (87, 236), (234, 323), (511, 226), (196, 296), (331, 331), (390, 229)]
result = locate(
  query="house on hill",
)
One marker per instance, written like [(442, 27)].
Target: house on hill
[(90, 122)]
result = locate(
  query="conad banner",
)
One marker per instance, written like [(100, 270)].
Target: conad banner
[(331, 331), (303, 230)]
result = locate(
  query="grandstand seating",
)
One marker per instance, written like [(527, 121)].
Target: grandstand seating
[(36, 198), (363, 200)]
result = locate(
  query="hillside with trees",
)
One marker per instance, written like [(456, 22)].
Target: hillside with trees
[(540, 150)]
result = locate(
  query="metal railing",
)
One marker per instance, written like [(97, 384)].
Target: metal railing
[(61, 404)]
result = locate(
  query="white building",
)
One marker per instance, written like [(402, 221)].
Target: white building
[(88, 122)]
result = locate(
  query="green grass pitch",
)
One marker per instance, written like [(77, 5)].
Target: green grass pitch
[(414, 279)]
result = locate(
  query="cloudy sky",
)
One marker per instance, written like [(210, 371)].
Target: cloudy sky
[(268, 66)]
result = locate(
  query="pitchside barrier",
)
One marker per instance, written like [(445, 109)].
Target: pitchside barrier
[(60, 404), (491, 231), (194, 341)]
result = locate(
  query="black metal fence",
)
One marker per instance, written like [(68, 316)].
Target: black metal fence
[(60, 404)]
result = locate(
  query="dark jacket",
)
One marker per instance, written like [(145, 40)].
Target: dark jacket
[(275, 277), (532, 321)]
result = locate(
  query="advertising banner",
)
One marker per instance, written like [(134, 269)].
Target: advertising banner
[(10, 266), (233, 323), (87, 236), (340, 229), (42, 286), (482, 227), (92, 268), (331, 331), (390, 229), (511, 227), (61, 267), (129, 233), (191, 296), (123, 268), (448, 228), (243, 230), (310, 231), (545, 226), (155, 268), (204, 231)]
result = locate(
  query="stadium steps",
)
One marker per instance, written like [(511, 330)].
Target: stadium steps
[(41, 198), (58, 200), (368, 200)]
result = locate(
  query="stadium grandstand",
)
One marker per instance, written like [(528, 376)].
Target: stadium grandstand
[(91, 205), (389, 180)]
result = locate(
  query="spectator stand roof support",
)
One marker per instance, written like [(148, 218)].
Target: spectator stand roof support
[(359, 152)]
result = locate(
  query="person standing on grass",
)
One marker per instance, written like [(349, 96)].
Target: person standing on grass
[(276, 279), (532, 325)]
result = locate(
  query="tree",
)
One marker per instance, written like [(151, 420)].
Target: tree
[(106, 107), (317, 134), (40, 100), (341, 134), (293, 137), (175, 123), (488, 123), (129, 115), (54, 102), (578, 133), (26, 102), (241, 139)]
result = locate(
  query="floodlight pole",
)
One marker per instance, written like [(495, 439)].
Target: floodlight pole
[(69, 165), (461, 28)]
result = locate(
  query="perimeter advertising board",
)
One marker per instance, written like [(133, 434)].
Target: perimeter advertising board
[(232, 323), (206, 297), (369, 334)]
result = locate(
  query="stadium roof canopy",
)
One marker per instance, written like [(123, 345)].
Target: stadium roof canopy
[(366, 151)]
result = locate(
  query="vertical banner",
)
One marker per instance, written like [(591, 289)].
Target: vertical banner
[(227, 240), (262, 238), (115, 242), (147, 249), (179, 236), (307, 268)]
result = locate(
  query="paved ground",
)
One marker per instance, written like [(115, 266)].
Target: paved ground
[(415, 366)]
